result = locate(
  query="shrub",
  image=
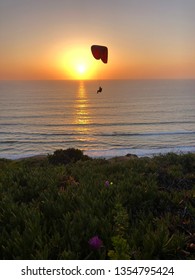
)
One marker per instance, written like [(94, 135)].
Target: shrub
[(70, 155), (51, 210)]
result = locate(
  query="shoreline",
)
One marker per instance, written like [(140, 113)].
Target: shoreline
[(117, 157)]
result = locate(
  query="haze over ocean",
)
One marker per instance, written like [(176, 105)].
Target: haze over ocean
[(142, 117)]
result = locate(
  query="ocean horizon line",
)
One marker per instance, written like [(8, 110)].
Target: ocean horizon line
[(98, 79)]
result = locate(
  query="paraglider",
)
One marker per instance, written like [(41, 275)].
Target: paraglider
[(100, 52), (99, 89)]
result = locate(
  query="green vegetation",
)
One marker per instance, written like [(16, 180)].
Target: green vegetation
[(68, 206)]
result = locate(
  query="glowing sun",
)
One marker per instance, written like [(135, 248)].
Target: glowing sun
[(81, 68), (78, 63)]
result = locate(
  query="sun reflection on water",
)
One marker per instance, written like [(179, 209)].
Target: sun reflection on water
[(82, 113)]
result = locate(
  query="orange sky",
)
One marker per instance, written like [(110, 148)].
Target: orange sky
[(146, 39)]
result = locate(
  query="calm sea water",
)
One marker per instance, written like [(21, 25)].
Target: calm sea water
[(139, 117)]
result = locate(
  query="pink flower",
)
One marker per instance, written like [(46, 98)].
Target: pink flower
[(107, 183), (95, 242)]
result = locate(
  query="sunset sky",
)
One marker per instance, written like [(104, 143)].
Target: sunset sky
[(51, 39)]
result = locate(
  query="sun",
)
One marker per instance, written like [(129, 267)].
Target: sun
[(81, 68), (77, 63)]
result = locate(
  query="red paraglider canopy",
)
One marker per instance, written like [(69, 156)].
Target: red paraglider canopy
[(100, 52)]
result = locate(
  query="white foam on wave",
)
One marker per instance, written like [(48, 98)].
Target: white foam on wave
[(139, 152), (103, 153)]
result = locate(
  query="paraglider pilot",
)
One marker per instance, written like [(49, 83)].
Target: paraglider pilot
[(100, 52), (99, 90)]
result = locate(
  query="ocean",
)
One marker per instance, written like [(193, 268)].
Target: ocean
[(142, 117)]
